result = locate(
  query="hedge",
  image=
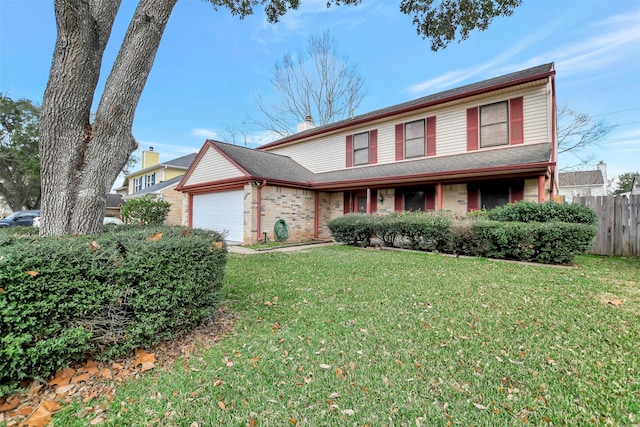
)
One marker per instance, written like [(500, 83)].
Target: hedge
[(64, 299), (545, 242), (526, 211)]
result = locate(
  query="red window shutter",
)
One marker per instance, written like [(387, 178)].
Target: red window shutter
[(430, 199), (400, 141), (472, 197), (373, 207), (516, 120), (399, 201), (373, 147), (349, 151), (347, 203), (472, 129), (431, 136), (517, 191)]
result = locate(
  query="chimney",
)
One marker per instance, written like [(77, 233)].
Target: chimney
[(149, 158), (602, 167), (307, 124)]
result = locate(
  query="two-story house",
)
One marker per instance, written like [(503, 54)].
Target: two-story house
[(477, 146), (583, 183)]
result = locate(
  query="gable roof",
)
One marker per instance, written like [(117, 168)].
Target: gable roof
[(580, 178), (512, 79), (180, 163)]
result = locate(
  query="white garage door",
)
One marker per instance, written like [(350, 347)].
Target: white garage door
[(221, 212)]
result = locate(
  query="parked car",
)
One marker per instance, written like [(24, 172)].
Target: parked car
[(20, 218), (108, 220)]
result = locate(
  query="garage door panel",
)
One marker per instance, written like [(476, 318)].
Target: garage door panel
[(221, 212)]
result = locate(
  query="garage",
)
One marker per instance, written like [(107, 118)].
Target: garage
[(222, 211)]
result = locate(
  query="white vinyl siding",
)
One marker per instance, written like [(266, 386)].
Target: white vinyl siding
[(328, 154), (211, 167), (221, 212)]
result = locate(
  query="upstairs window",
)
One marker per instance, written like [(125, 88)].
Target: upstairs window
[(414, 139), (494, 124), (361, 148), (150, 180), (137, 184)]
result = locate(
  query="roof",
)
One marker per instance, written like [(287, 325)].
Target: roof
[(181, 162), (275, 167), (261, 164), (157, 187), (580, 178), (518, 77), (114, 201)]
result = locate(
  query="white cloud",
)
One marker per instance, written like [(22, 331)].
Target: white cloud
[(205, 133)]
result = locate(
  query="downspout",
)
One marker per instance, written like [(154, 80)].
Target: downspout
[(259, 209), (554, 140), (316, 216)]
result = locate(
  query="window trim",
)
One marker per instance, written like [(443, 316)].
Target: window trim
[(506, 123), (362, 149)]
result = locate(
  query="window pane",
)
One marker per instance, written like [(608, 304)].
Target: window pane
[(494, 135), (361, 157), (494, 113), (361, 140), (414, 129), (414, 201), (414, 147)]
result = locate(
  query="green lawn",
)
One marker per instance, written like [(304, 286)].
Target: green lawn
[(340, 336)]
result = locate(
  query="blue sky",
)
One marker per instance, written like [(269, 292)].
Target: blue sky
[(211, 65)]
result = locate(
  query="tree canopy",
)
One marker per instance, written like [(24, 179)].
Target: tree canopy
[(625, 182), (19, 161)]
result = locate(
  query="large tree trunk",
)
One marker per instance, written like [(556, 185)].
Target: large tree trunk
[(80, 160)]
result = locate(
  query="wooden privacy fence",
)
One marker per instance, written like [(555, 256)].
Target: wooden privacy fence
[(618, 224)]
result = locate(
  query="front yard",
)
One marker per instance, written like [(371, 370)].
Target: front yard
[(341, 336)]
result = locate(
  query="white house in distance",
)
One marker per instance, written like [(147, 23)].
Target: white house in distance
[(583, 183), (477, 146)]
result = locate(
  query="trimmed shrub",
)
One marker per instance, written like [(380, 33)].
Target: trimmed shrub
[(526, 211), (353, 229), (67, 298), (147, 209), (425, 231)]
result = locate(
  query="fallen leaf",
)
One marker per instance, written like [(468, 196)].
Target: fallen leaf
[(252, 422), (339, 373), (32, 273), (80, 378), (42, 415), (479, 406), (325, 366), (146, 360), (94, 246), (97, 420), (221, 405), (63, 389), (90, 366), (334, 395), (276, 326), (217, 383), (155, 237), (10, 404), (63, 377), (24, 411), (292, 422), (106, 373), (614, 302), (348, 412)]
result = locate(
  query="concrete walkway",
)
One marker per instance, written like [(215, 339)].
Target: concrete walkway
[(248, 251)]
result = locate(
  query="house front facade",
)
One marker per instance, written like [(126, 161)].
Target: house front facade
[(478, 146)]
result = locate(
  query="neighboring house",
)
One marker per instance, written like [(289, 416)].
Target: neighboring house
[(153, 172), (160, 179), (166, 191), (583, 183), (112, 208), (478, 146)]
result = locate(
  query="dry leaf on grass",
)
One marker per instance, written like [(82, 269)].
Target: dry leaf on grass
[(146, 360), (42, 415), (10, 404)]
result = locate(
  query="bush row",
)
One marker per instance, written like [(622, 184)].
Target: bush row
[(545, 242), (526, 211), (63, 299)]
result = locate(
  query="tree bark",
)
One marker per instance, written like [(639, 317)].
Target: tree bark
[(80, 160)]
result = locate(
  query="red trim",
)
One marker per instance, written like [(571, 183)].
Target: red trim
[(439, 196), (316, 214), (346, 203), (431, 136), (373, 147), (472, 129), (205, 147), (517, 191), (413, 107), (190, 210), (430, 199), (349, 150), (400, 141), (516, 118), (472, 197), (541, 195), (398, 205)]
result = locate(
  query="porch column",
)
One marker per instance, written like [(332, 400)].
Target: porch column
[(439, 196), (541, 194), (368, 200)]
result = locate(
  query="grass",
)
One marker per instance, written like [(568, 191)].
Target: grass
[(340, 336)]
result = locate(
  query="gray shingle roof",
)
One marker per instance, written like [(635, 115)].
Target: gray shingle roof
[(472, 162), (261, 164), (569, 179), (276, 167), (181, 162), (478, 87), (158, 187)]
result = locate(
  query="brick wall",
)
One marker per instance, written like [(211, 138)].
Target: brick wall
[(178, 202), (454, 198)]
